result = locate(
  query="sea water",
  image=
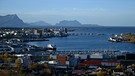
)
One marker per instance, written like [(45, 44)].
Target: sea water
[(96, 40)]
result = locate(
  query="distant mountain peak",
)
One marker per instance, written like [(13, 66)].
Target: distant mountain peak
[(69, 23), (11, 20), (12, 15), (74, 23), (39, 23)]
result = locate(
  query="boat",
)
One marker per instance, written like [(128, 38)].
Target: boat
[(51, 47), (112, 39), (115, 39)]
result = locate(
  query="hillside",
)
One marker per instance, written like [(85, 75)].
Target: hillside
[(68, 23), (39, 23), (11, 21), (74, 23)]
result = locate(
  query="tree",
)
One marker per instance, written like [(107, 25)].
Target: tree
[(30, 66), (47, 71), (100, 73), (122, 67), (9, 59), (18, 62), (119, 66), (133, 65), (2, 73), (35, 66), (9, 62), (18, 65), (5, 55), (45, 65)]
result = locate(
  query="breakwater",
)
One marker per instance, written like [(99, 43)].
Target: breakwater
[(84, 52), (85, 34)]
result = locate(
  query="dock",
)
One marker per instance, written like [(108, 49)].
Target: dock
[(85, 34), (84, 52)]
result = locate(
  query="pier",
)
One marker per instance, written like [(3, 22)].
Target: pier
[(71, 52), (85, 34)]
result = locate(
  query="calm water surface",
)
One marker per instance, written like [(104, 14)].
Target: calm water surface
[(92, 42)]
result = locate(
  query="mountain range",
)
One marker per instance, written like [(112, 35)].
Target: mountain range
[(14, 21)]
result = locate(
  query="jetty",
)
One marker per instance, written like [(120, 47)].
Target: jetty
[(71, 52), (85, 34)]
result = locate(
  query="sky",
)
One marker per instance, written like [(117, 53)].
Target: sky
[(102, 12)]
